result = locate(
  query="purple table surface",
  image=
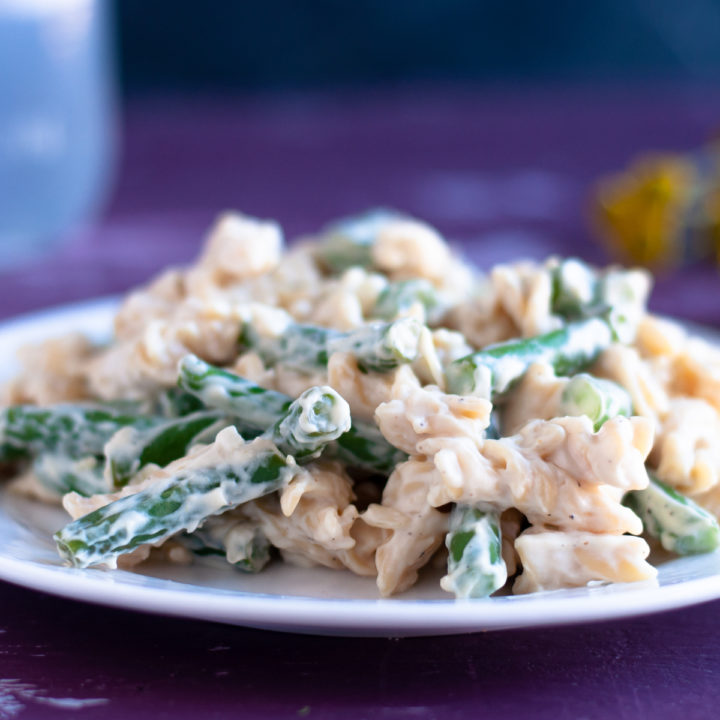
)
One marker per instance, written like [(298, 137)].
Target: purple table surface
[(506, 174)]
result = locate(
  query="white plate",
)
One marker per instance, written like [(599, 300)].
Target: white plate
[(287, 598)]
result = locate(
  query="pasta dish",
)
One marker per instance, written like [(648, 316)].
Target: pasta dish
[(366, 400)]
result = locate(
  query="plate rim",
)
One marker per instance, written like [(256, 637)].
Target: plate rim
[(346, 617)]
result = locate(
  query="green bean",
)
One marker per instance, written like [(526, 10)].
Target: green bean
[(599, 399), (131, 448), (257, 408), (378, 347), (362, 446), (493, 371), (77, 431), (238, 542), (399, 297), (680, 524), (579, 291), (475, 564), (298, 347), (253, 406), (316, 418), (349, 242), (180, 502), (10, 454), (575, 289), (61, 474), (174, 402)]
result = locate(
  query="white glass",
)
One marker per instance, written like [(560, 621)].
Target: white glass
[(56, 120)]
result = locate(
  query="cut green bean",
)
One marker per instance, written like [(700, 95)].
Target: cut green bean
[(180, 502), (381, 347), (348, 242), (254, 406), (493, 371), (362, 446), (378, 347), (575, 291), (680, 524), (476, 567), (398, 298), (299, 347), (174, 402), (131, 448), (316, 418), (599, 399), (77, 431), (579, 291), (10, 454), (238, 542), (319, 407), (61, 474)]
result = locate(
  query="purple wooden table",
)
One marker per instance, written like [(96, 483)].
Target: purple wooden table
[(505, 175)]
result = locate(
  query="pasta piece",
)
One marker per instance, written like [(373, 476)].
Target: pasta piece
[(158, 300), (511, 522), (657, 337), (456, 285), (525, 294), (416, 413), (450, 345), (555, 472), (553, 560), (251, 367), (28, 485), (348, 300), (538, 396), (238, 247), (53, 371), (293, 382), (437, 349), (364, 391), (315, 523), (644, 382), (692, 365), (136, 368), (416, 529), (481, 318), (687, 450), (515, 301), (137, 556), (410, 248), (696, 372)]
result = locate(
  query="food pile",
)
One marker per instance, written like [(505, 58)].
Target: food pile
[(366, 400)]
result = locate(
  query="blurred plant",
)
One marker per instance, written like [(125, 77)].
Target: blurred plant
[(664, 209)]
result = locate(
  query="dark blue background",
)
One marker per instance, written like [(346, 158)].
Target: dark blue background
[(210, 44)]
